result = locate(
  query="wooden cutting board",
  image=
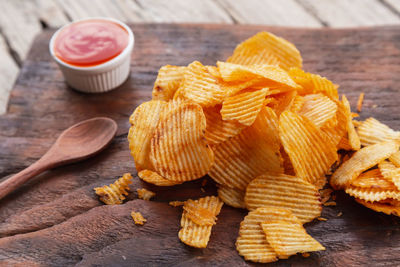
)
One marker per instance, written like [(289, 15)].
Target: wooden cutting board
[(56, 220)]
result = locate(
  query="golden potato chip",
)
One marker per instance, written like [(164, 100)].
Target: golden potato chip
[(390, 172), (283, 102), (311, 152), (362, 160), (297, 104), (144, 121), (138, 218), (395, 158), (244, 106), (178, 148), (370, 194), (252, 243), (201, 215), (168, 81), (289, 238), (154, 178), (284, 191), (231, 196), (267, 48), (319, 109), (196, 235), (213, 70), (354, 140), (145, 194), (217, 129), (273, 76), (373, 179), (336, 129), (115, 193), (313, 83), (251, 153), (381, 207), (371, 131), (199, 86)]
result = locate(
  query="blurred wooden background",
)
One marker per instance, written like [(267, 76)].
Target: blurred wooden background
[(21, 20)]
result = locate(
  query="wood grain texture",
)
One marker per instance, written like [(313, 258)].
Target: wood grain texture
[(56, 219), (50, 13)]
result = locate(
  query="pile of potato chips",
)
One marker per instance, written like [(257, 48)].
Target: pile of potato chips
[(268, 133)]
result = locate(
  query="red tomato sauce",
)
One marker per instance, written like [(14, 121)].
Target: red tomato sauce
[(90, 43)]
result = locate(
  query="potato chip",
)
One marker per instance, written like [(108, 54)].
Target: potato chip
[(297, 104), (138, 218), (381, 207), (145, 194), (370, 194), (284, 191), (371, 131), (213, 70), (283, 102), (219, 130), (319, 109), (267, 48), (196, 235), (395, 158), (336, 129), (178, 148), (115, 193), (168, 81), (144, 121), (354, 140), (309, 149), (273, 76), (313, 83), (199, 86), (362, 160), (231, 196), (244, 106), (287, 164), (154, 178), (373, 179), (390, 172), (254, 151), (203, 211), (289, 238)]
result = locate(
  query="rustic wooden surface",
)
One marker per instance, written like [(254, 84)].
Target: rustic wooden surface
[(56, 220), (21, 20)]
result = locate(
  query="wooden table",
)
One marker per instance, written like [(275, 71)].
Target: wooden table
[(21, 20)]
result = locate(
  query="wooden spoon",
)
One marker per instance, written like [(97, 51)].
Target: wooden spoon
[(76, 143)]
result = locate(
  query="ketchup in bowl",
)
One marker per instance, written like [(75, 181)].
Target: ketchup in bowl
[(90, 42)]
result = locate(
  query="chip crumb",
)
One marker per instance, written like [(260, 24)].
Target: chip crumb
[(374, 106), (115, 193), (330, 203), (339, 214), (322, 219), (204, 182), (305, 254), (138, 218), (325, 195), (176, 203), (202, 190), (360, 102), (145, 194)]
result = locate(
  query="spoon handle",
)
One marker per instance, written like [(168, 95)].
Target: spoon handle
[(23, 176)]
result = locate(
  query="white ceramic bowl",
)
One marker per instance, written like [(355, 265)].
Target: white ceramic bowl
[(100, 78)]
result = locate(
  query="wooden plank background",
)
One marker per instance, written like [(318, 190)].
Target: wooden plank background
[(21, 20)]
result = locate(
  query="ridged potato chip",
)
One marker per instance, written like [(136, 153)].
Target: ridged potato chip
[(370, 194), (244, 106), (319, 109), (284, 191), (297, 104), (390, 172), (196, 235), (178, 148), (313, 83), (362, 160), (310, 151), (273, 76), (201, 215), (252, 243), (386, 208), (115, 193), (354, 140), (267, 48), (199, 86), (168, 81), (144, 121), (371, 131), (219, 130), (232, 196), (373, 179), (154, 178), (254, 151), (138, 218), (336, 129), (289, 238), (284, 101), (395, 158)]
